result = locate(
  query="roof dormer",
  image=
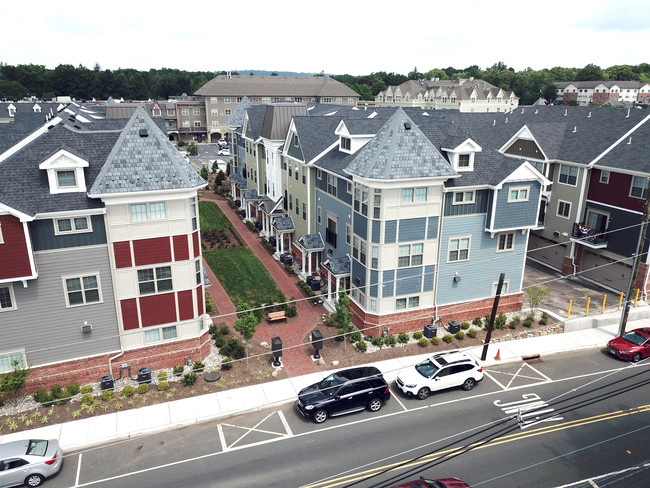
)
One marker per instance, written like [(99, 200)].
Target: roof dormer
[(12, 109), (351, 141), (65, 172), (462, 156)]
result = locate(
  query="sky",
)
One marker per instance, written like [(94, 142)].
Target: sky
[(355, 37)]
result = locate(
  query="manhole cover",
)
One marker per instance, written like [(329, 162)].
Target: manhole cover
[(210, 377)]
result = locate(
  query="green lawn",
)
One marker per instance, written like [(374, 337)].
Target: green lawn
[(211, 217), (243, 276)]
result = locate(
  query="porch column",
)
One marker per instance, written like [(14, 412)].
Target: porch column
[(338, 284), (309, 262), (303, 260), (248, 211), (329, 287), (281, 238)]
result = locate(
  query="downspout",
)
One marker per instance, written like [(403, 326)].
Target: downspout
[(437, 272), (579, 209)]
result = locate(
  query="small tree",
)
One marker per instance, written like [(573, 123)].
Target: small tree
[(536, 295), (343, 314), (247, 325), (221, 176), (204, 173), (10, 383), (192, 149)]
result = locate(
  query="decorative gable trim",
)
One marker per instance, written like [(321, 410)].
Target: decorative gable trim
[(65, 172), (524, 145)]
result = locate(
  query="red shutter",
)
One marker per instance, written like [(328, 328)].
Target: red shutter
[(122, 251), (129, 314), (152, 251), (185, 305), (181, 248), (158, 309)]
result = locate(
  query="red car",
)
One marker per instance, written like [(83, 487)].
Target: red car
[(633, 346), (441, 483)]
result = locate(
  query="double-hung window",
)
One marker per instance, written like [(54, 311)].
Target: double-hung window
[(463, 197), (518, 194), (7, 301), (155, 280), (459, 249), (410, 255), (568, 175), (407, 195), (148, 211), (331, 184), (639, 187), (506, 242), (82, 290), (72, 225)]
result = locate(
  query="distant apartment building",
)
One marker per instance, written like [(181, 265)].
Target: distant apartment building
[(598, 93), (463, 94)]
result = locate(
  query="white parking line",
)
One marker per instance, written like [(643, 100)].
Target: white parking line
[(394, 395)]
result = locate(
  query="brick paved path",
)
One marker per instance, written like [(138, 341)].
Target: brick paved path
[(295, 331)]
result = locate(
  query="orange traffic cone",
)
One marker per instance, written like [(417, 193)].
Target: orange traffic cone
[(498, 356)]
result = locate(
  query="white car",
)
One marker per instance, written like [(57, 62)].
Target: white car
[(224, 152), (439, 372), (29, 461)]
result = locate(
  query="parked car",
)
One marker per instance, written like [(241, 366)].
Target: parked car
[(346, 391), (632, 346), (29, 461), (222, 143), (440, 371), (441, 483), (224, 152)]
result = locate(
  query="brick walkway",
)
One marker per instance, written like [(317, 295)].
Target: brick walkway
[(295, 331)]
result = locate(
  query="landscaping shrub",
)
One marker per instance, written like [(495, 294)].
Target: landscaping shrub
[(340, 335), (478, 321), (143, 388), (460, 335), (198, 366), (41, 396), (448, 338), (472, 333), (361, 346), (233, 342), (224, 330), (544, 319), (219, 341), (500, 322), (291, 309), (87, 399), (528, 321), (486, 322), (435, 341), (378, 342), (390, 340), (213, 330), (356, 336), (464, 325), (225, 349), (423, 342), (108, 395), (162, 375), (417, 335), (86, 389), (239, 352), (163, 386), (403, 338), (128, 391), (178, 370), (189, 378), (72, 388), (226, 364)]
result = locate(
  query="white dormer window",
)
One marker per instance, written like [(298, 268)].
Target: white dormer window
[(345, 143), (37, 109), (463, 160), (462, 156), (65, 172), (12, 110)]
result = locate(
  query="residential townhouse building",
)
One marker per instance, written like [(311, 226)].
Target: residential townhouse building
[(463, 94), (100, 256), (597, 93), (223, 93), (391, 221)]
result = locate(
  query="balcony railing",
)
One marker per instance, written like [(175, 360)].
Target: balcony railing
[(588, 236)]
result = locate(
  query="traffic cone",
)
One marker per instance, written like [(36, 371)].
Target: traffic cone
[(498, 356)]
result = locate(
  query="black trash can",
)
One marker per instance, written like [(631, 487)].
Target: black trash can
[(453, 327), (288, 259), (107, 383), (429, 331), (258, 225), (309, 280), (272, 241), (315, 284), (237, 203), (144, 375)]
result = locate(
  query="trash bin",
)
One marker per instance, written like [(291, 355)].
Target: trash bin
[(453, 327), (272, 241), (288, 259), (237, 203), (429, 331), (144, 375), (107, 383), (315, 284), (309, 280)]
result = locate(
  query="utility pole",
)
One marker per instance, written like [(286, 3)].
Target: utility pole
[(637, 262), (495, 307)]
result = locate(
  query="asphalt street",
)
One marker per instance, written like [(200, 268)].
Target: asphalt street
[(582, 415)]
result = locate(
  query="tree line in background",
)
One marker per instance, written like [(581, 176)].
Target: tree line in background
[(30, 80)]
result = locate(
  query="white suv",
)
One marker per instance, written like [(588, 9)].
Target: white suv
[(440, 371)]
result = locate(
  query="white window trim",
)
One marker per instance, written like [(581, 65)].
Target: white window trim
[(518, 189), (557, 211), (10, 286), (155, 280), (645, 188), (147, 206), (606, 174), (464, 202), (506, 249), (559, 174), (81, 277), (74, 230), (2, 239), (469, 247), (10, 353), (504, 288)]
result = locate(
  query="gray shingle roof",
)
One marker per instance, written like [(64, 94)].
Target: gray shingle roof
[(144, 163), (236, 119), (252, 195), (312, 242), (400, 150), (305, 86), (283, 224), (338, 266)]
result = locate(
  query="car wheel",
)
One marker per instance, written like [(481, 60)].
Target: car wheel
[(469, 384), (34, 480), (320, 416), (423, 393), (374, 405), (636, 358)]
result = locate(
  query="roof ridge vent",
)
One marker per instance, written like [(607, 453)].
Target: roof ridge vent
[(588, 116), (629, 141), (522, 111), (628, 113), (144, 133), (407, 126), (565, 111), (506, 120), (494, 122), (536, 110)]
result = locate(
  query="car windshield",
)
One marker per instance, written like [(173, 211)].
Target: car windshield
[(635, 338), (329, 384), (426, 368), (37, 448)]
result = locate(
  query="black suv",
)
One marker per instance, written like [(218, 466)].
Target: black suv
[(347, 391)]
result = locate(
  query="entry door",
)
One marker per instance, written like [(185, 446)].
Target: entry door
[(597, 221)]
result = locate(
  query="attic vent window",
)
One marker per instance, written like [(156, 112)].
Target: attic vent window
[(144, 133), (407, 125)]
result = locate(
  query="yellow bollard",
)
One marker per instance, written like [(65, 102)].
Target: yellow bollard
[(620, 300), (636, 297), (568, 314), (604, 301), (588, 302)]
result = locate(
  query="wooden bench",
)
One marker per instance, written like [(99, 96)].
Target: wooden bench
[(276, 316)]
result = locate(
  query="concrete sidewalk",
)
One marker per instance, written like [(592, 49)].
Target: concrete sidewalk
[(85, 433)]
